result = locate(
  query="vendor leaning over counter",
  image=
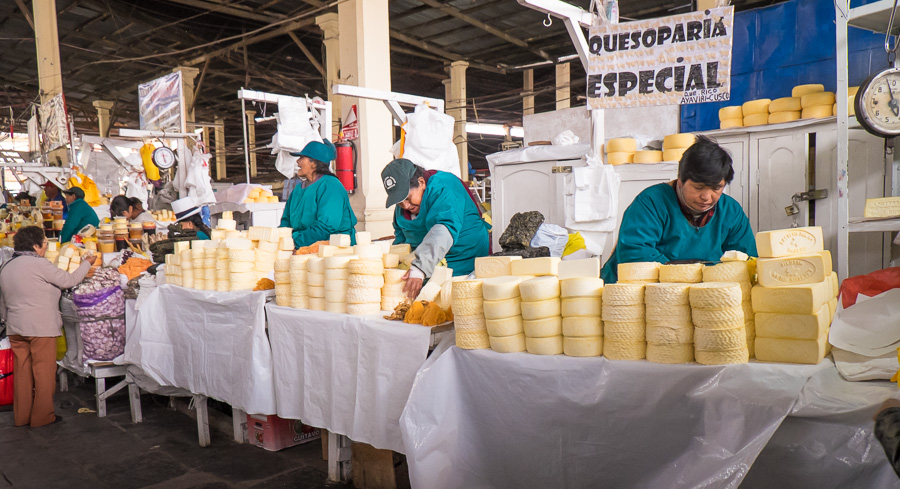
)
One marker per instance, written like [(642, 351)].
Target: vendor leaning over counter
[(437, 216), (187, 212), (80, 214), (122, 206), (686, 219), (318, 206)]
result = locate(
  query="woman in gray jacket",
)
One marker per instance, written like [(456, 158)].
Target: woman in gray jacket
[(29, 303)]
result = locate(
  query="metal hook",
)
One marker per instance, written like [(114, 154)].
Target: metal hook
[(548, 21)]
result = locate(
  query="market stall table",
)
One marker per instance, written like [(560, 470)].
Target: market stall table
[(484, 419), (348, 374)]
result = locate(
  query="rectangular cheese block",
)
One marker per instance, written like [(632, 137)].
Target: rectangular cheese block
[(367, 251), (793, 326), (883, 207), (786, 242), (401, 249), (254, 233), (441, 275), (286, 243), (791, 351), (586, 268), (363, 237), (545, 265), (790, 299), (790, 270), (493, 266), (271, 235), (342, 240), (226, 224), (217, 234), (235, 244), (181, 246), (826, 259), (328, 250)]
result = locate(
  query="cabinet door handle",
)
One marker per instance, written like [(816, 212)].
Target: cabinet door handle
[(561, 169)]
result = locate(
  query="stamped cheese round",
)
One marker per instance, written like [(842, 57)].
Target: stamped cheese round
[(667, 294), (394, 276), (284, 300), (365, 281), (315, 279), (715, 295), (625, 145), (366, 267), (500, 288), (299, 289), (816, 99), (801, 90), (336, 274), (624, 350), (681, 273), (316, 303), (508, 344), (540, 309), (582, 326), (336, 307), (316, 291), (339, 295), (295, 277), (817, 112), (670, 354), (465, 289), (622, 313), (668, 314), (368, 309), (702, 317), (719, 339), (314, 264), (726, 357), (673, 154), (299, 301), (589, 346), (680, 140), (785, 104), (363, 296), (759, 119), (752, 107), (503, 308), (580, 306), (648, 157), (542, 328), (638, 271), (581, 287), (665, 335), (468, 307), (539, 289), (731, 112), (619, 158), (623, 294), (624, 331), (732, 271), (544, 346), (505, 326), (730, 123), (473, 340)]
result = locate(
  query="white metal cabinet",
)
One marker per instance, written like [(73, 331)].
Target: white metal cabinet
[(780, 171)]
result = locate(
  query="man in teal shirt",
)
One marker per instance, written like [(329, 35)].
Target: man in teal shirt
[(437, 216), (80, 214), (318, 206), (686, 219)]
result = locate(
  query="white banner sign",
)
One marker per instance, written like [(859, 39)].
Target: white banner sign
[(161, 104), (682, 59)]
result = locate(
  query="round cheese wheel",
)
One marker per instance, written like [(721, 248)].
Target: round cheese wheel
[(780, 117), (242, 255), (552, 345), (394, 276), (315, 279), (239, 266), (759, 119), (542, 328), (508, 344), (316, 303), (801, 90), (719, 339), (299, 261), (729, 123), (335, 284), (363, 296), (466, 289), (624, 350), (504, 327), (502, 308), (296, 277), (715, 295), (540, 309), (581, 287), (500, 288), (589, 346), (367, 309), (365, 281), (732, 271), (622, 294), (580, 306), (667, 294), (816, 99), (335, 307), (785, 104), (582, 326), (670, 354), (673, 154), (267, 246), (649, 156), (624, 145), (473, 340), (468, 306), (731, 112), (624, 330), (316, 291), (366, 267), (666, 335), (619, 158), (299, 302), (283, 300), (389, 303), (390, 260), (299, 289), (702, 317), (539, 289), (622, 313), (339, 261), (726, 357), (680, 140), (638, 271), (747, 307), (314, 264), (681, 273), (817, 112), (667, 314), (280, 277), (760, 106), (336, 274), (282, 289)]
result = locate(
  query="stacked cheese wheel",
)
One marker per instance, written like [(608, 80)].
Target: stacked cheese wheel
[(815, 102), (283, 282), (364, 283), (335, 288), (756, 112), (732, 116), (315, 279), (467, 303), (684, 273), (580, 308), (541, 319), (241, 261), (620, 151), (298, 273), (851, 101), (784, 109), (674, 145), (719, 336), (222, 272), (623, 321), (669, 330), (187, 269), (737, 272), (392, 292), (645, 272), (796, 296), (503, 313)]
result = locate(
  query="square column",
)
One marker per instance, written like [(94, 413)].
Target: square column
[(563, 87), (220, 147), (103, 107), (251, 140), (456, 107), (331, 30), (528, 92)]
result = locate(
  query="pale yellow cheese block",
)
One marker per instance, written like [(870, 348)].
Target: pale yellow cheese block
[(667, 294), (539, 289), (508, 344), (638, 271), (667, 315), (760, 106), (622, 313), (682, 273), (785, 104), (835, 285), (791, 351), (670, 353), (542, 328), (623, 294), (505, 326), (552, 345), (580, 306), (791, 299), (540, 309), (759, 119), (584, 268), (730, 123), (792, 241), (716, 295), (581, 287), (711, 318), (626, 145), (832, 307), (786, 116), (493, 266), (817, 112), (591, 346), (503, 308), (582, 326), (883, 207), (726, 357), (624, 350), (619, 158), (793, 326), (673, 154), (501, 288), (535, 266), (731, 112), (624, 331), (801, 90), (648, 157), (720, 339), (791, 270), (666, 335)]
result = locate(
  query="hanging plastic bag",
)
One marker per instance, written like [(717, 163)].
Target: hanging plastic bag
[(84, 182), (150, 168), (427, 140), (573, 244), (553, 237)]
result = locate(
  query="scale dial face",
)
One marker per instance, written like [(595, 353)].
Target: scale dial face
[(163, 157), (878, 103)]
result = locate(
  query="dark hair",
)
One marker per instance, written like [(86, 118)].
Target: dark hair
[(705, 162), (119, 204), (27, 238), (197, 221), (322, 168), (414, 179), (136, 203), (25, 196)]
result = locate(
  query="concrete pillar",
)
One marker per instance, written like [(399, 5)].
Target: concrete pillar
[(46, 40), (456, 104), (563, 89), (220, 147), (528, 92), (251, 140), (365, 62), (187, 86), (330, 28), (103, 107)]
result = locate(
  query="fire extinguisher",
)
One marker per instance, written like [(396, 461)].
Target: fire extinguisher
[(345, 165)]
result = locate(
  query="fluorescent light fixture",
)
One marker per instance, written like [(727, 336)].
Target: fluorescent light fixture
[(494, 129)]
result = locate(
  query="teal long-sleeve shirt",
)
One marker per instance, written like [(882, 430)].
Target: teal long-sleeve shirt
[(654, 229), (445, 201), (80, 215), (318, 211)]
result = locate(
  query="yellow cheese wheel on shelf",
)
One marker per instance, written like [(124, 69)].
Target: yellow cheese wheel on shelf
[(760, 106), (621, 145), (817, 112), (788, 116), (732, 112), (759, 119), (673, 154), (619, 158), (785, 104), (729, 123), (680, 140), (648, 157), (801, 90), (819, 98)]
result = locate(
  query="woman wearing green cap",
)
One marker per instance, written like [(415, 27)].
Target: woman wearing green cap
[(437, 216), (80, 214), (318, 207)]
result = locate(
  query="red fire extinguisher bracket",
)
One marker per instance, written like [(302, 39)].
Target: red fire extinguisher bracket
[(345, 165)]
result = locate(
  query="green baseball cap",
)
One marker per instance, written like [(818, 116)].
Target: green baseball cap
[(395, 177)]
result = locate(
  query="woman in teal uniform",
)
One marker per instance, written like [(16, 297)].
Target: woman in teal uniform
[(437, 216), (318, 206), (80, 214), (686, 219)]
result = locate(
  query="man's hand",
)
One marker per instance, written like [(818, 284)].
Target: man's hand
[(412, 282), (90, 258)]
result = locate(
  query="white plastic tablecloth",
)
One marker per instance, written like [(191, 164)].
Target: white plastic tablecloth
[(348, 374), (480, 419), (209, 343)]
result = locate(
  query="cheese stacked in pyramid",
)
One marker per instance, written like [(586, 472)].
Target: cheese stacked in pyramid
[(735, 269)]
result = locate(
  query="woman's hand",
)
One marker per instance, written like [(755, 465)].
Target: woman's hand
[(90, 258), (412, 282)]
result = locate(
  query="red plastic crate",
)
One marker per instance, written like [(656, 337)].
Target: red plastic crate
[(274, 433), (6, 377)]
